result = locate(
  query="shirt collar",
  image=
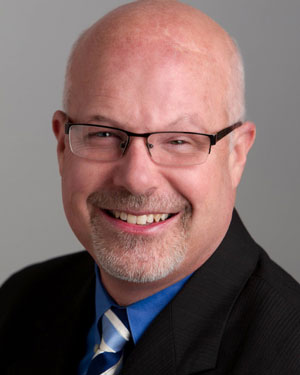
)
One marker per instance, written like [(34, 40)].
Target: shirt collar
[(140, 314)]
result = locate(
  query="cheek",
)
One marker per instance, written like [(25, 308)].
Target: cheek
[(208, 189), (80, 178), (198, 185)]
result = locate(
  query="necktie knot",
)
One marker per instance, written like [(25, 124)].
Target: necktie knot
[(108, 358)]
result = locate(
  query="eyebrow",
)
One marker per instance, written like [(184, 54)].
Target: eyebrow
[(100, 119)]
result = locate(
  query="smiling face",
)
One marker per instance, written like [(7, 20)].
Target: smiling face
[(141, 221)]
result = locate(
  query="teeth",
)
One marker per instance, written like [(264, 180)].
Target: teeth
[(157, 217), (131, 219), (123, 216), (150, 218), (164, 216), (141, 220)]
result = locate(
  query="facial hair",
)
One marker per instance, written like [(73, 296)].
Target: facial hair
[(133, 257)]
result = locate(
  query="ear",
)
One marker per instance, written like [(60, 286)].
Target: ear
[(243, 139), (58, 125)]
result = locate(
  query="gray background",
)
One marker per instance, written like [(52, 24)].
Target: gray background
[(36, 36)]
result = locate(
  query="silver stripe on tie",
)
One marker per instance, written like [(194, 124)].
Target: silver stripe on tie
[(118, 324)]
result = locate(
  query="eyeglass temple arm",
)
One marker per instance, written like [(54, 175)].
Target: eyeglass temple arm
[(67, 127), (222, 133)]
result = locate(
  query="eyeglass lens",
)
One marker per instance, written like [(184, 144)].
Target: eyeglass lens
[(103, 144)]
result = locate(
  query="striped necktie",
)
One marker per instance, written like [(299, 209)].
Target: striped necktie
[(108, 358)]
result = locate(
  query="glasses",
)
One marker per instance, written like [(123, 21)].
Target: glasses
[(106, 143)]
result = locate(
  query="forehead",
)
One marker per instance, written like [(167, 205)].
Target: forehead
[(150, 78)]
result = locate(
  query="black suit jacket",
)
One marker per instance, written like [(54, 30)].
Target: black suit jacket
[(239, 314)]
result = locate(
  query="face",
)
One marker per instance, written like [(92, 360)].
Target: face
[(191, 206)]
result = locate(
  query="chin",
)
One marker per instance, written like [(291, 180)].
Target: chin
[(138, 259)]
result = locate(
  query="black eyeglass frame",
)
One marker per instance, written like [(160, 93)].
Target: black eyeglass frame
[(214, 138)]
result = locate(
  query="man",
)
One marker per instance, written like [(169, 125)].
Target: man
[(151, 147)]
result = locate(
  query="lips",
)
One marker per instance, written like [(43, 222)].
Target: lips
[(139, 219)]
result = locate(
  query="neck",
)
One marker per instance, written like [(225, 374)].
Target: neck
[(125, 293)]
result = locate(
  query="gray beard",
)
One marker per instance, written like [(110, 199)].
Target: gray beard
[(137, 258)]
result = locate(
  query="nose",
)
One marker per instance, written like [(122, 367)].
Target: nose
[(135, 171)]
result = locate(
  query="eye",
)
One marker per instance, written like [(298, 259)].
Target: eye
[(178, 142), (182, 143), (102, 138), (101, 134)]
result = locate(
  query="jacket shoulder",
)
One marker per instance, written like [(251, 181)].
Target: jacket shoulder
[(39, 308), (278, 282), (265, 322), (38, 284), (42, 274)]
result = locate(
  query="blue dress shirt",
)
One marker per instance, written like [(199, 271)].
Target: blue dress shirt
[(140, 314)]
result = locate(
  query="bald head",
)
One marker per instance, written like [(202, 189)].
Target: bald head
[(154, 32)]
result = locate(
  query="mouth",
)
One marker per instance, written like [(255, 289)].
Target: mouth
[(139, 219)]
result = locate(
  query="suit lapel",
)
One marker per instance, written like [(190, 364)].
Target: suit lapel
[(154, 353)]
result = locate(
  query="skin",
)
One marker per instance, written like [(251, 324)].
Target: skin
[(143, 72)]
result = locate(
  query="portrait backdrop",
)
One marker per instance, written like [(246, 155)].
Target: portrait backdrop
[(36, 37)]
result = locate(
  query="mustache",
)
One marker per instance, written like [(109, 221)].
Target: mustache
[(123, 200)]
